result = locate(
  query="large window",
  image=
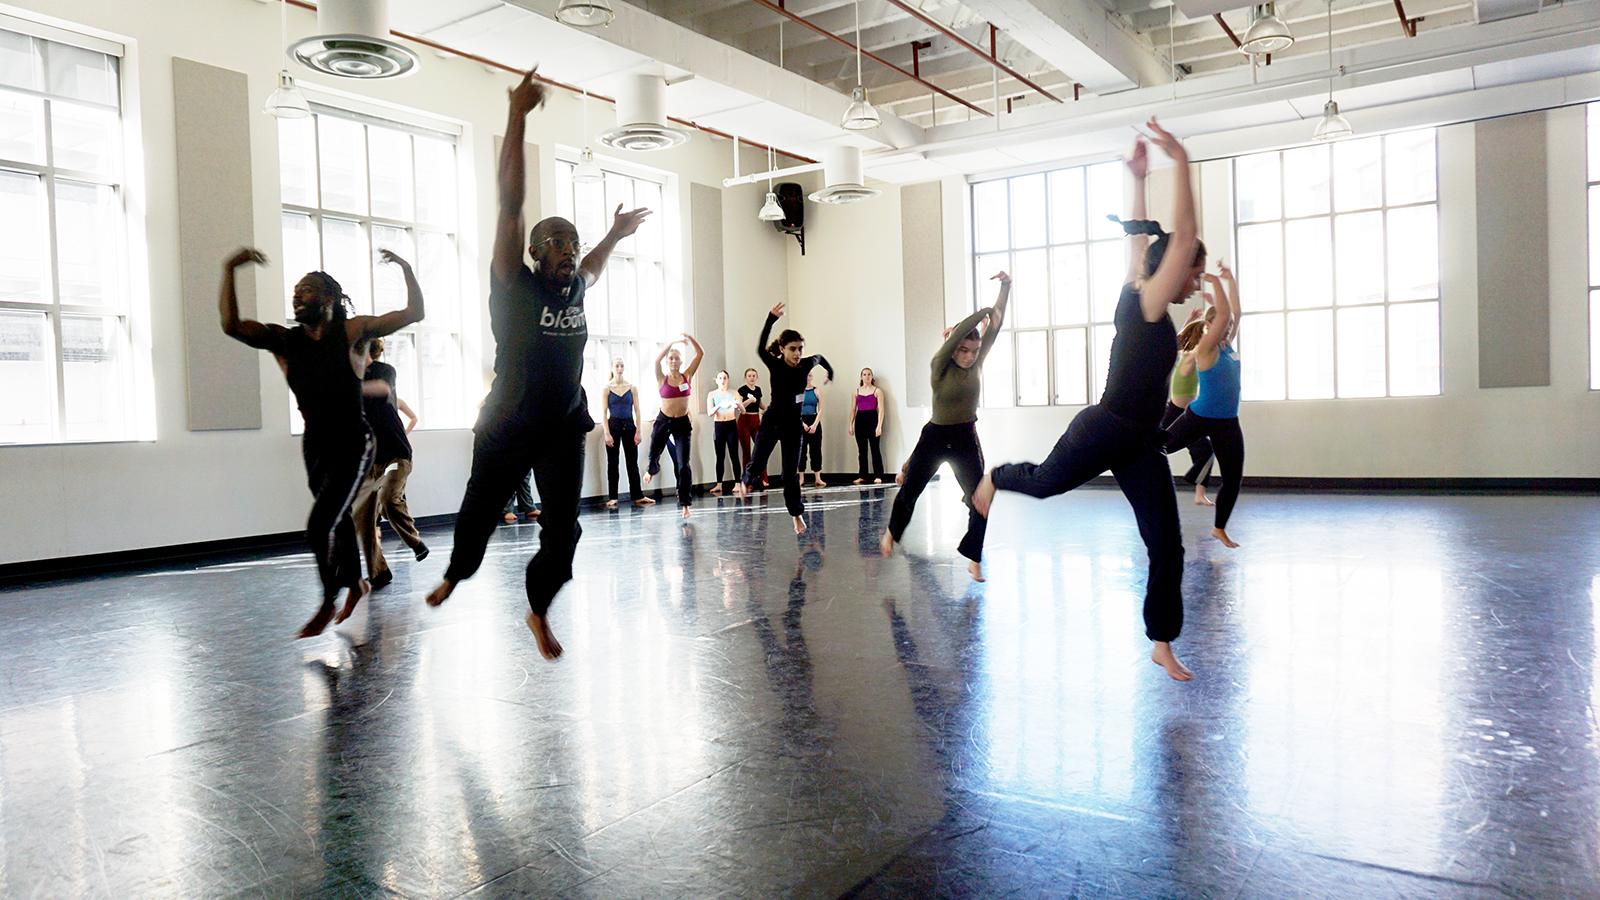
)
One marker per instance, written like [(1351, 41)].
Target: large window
[(1067, 263), (1594, 246), (353, 185), (1338, 262), (66, 367)]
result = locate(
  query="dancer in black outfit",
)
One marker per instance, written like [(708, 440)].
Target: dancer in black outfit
[(323, 357), (535, 416), (1122, 432), (620, 418), (781, 424)]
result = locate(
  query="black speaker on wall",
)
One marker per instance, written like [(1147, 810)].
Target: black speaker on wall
[(793, 200)]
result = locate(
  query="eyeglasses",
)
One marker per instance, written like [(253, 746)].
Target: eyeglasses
[(559, 244)]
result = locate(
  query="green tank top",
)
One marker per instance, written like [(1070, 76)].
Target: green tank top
[(1185, 385)]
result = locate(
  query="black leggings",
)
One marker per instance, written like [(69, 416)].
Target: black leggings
[(867, 439), (811, 451), (1227, 440), (622, 433), (958, 446), (1098, 440), (725, 437), (676, 430), (1200, 454), (332, 467), (776, 429), (500, 456)]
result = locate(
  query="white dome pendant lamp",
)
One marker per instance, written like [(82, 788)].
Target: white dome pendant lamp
[(585, 13), (587, 171), (860, 114), (771, 210), (1268, 33), (1333, 126), (286, 101)]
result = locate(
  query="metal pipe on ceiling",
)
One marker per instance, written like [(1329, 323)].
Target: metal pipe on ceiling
[(989, 58)]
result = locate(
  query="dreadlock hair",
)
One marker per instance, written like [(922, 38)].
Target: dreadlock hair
[(342, 305), (786, 336), (1157, 250)]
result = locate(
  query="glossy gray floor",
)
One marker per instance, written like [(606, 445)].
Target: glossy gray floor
[(1395, 695)]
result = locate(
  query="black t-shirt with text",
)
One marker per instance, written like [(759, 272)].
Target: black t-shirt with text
[(539, 334)]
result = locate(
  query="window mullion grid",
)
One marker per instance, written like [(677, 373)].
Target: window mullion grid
[(1333, 269), (59, 426), (1283, 267), (1383, 182)]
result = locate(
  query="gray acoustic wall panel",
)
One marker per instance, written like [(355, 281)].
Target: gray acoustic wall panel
[(709, 324), (1513, 253), (922, 255), (215, 215)]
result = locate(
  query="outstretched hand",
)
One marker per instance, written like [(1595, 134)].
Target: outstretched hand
[(1224, 272), (1169, 145), (246, 255), (776, 311), (626, 223), (1138, 161), (389, 256), (528, 95), (1001, 277)]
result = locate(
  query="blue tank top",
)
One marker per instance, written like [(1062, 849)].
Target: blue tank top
[(620, 407), (808, 407), (1219, 388)]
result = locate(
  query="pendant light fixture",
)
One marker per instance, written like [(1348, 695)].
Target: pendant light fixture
[(860, 114), (771, 210), (585, 13), (1267, 32), (587, 171), (286, 101), (1333, 125)]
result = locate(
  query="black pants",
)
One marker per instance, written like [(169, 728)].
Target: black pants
[(521, 499), (335, 468), (776, 429), (867, 440), (554, 453), (1098, 440), (726, 439), (1227, 440), (672, 433), (938, 444), (811, 449), (1200, 454), (622, 432)]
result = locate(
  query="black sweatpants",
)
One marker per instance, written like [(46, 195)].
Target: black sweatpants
[(673, 434), (622, 432), (938, 444), (811, 449), (778, 429), (1200, 455), (554, 452), (1227, 441), (725, 436), (1099, 440), (867, 440), (336, 465)]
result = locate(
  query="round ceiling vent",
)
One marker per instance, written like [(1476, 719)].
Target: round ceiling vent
[(353, 42), (642, 117), (843, 193), (842, 171)]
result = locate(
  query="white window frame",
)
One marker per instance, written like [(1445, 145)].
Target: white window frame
[(1592, 196)]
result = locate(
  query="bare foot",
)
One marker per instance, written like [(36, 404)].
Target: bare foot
[(441, 593), (886, 544), (740, 491), (1200, 498), (644, 501), (532, 514), (975, 569), (316, 623), (859, 481), (715, 489), (611, 504), (354, 598), (1222, 536), (877, 481), (983, 497), (799, 524), (509, 518), (1161, 654), (549, 647), (685, 511), (648, 478)]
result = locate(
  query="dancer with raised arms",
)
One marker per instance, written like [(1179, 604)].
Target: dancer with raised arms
[(672, 430), (1214, 413), (790, 372)]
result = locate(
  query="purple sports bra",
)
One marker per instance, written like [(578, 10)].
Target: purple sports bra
[(669, 390), (866, 402)]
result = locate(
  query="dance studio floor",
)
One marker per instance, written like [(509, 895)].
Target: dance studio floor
[(1394, 695)]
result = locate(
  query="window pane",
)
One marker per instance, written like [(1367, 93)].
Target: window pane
[(86, 138), (439, 362), (297, 161), (1409, 163), (984, 269), (1358, 257), (27, 400), (93, 377), (589, 202), (1069, 285), (1103, 336), (1027, 211), (21, 63), (82, 74), (1361, 352), (390, 155), (1030, 289), (89, 244), (1108, 269), (998, 372), (347, 256), (1033, 370), (436, 182), (1258, 186), (21, 128), (652, 233), (438, 269), (1414, 349), (1594, 235), (1358, 174), (343, 155), (619, 190), (301, 254), (597, 299), (1261, 267), (1105, 198), (990, 217), (400, 351), (563, 190), (1308, 246), (24, 248), (1066, 206), (1311, 355), (1072, 366), (652, 297), (1261, 357), (388, 285), (1414, 253), (623, 295), (1306, 191)]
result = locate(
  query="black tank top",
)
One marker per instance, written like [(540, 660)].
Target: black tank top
[(325, 385), (1141, 358)]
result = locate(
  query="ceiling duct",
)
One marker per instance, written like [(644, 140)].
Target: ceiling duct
[(353, 42), (642, 117), (841, 168)]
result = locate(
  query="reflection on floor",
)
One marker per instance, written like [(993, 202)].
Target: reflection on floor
[(1395, 694)]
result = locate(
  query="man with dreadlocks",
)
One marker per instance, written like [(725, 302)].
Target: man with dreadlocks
[(324, 357)]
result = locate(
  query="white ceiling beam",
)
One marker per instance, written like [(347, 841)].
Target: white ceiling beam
[(1079, 38)]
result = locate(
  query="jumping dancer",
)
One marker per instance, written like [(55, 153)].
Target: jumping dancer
[(1183, 387), (672, 422), (384, 490), (535, 416), (1214, 414), (722, 406), (790, 373), (323, 357), (867, 418), (951, 434), (811, 424), (623, 433), (750, 407), (1122, 432)]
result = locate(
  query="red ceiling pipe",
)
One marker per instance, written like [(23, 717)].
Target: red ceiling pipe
[(989, 57), (1226, 30), (916, 62), (1409, 26)]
